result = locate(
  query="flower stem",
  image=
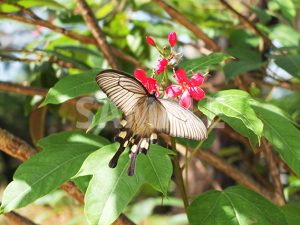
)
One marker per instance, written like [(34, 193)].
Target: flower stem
[(178, 175)]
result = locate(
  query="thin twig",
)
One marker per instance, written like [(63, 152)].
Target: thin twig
[(21, 150), (81, 38), (91, 22), (52, 59), (178, 174), (274, 171), (175, 14)]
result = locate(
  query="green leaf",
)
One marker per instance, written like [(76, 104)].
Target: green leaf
[(287, 9), (71, 87), (262, 15), (61, 158), (106, 113), (205, 62), (247, 60), (289, 63), (286, 35), (104, 205), (280, 131), (7, 8), (235, 206), (47, 3), (233, 107), (291, 212)]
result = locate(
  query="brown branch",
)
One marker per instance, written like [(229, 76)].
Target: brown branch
[(21, 150), (21, 89), (227, 169), (91, 22), (16, 219), (247, 22), (234, 173), (282, 84), (15, 146), (188, 24), (274, 171), (224, 167), (44, 23), (81, 38)]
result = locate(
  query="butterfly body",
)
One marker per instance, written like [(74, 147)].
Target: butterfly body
[(145, 116)]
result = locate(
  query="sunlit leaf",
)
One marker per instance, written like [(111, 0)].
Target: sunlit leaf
[(104, 205), (235, 206), (105, 113), (61, 158), (287, 9), (233, 107), (71, 87), (286, 35)]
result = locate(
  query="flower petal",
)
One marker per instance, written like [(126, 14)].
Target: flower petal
[(172, 38), (180, 75), (151, 85), (186, 100), (160, 68), (163, 62), (197, 93), (150, 41), (141, 76), (196, 80), (173, 91)]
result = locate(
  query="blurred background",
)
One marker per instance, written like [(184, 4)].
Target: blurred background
[(262, 36)]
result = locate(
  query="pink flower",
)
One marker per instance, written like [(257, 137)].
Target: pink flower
[(150, 41), (172, 38), (186, 88), (149, 83), (163, 63)]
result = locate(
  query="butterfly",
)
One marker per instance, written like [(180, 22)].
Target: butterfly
[(145, 115)]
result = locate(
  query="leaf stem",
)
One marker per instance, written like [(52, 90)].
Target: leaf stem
[(178, 175)]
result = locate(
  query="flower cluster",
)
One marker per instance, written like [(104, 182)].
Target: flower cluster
[(186, 89)]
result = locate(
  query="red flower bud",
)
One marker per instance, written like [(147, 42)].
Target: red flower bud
[(150, 41), (172, 38)]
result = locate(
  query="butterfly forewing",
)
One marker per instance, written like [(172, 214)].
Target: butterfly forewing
[(122, 89)]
